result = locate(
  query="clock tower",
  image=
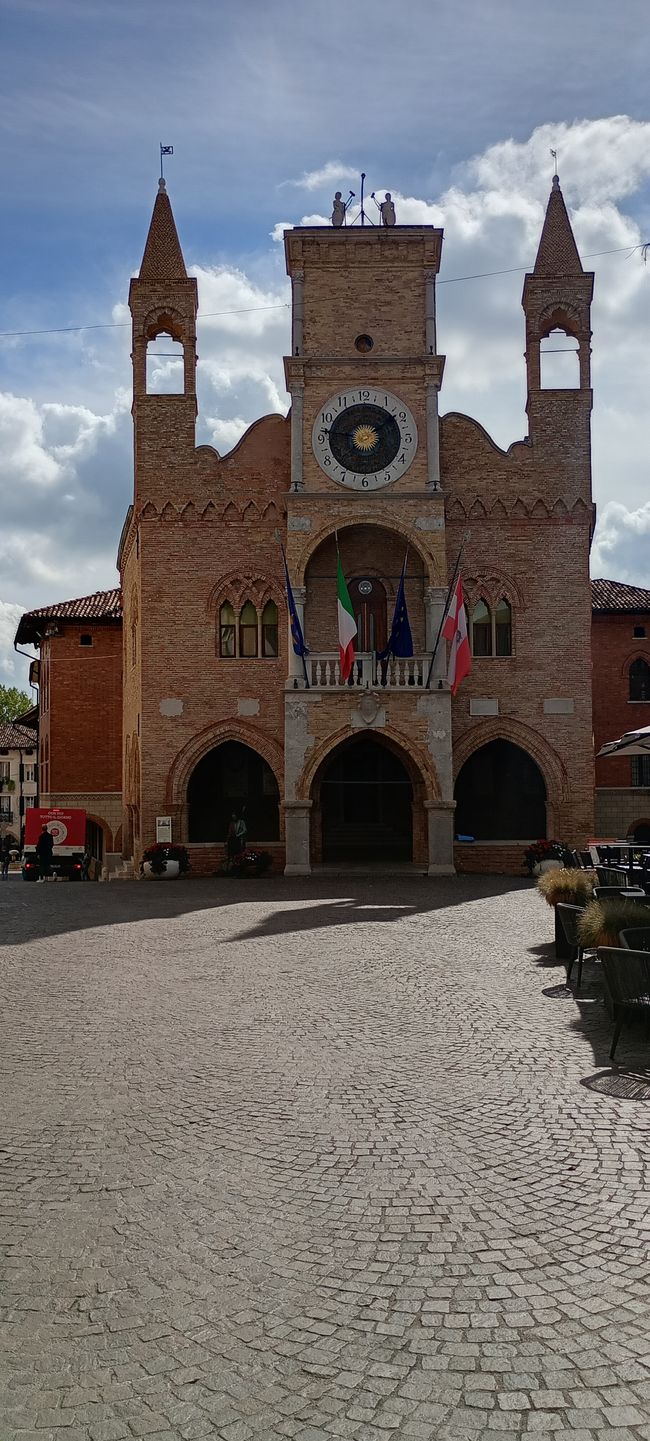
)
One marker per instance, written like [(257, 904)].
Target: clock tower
[(364, 376)]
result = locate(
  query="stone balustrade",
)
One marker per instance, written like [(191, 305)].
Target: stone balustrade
[(397, 673)]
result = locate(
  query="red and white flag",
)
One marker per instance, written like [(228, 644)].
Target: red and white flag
[(455, 631)]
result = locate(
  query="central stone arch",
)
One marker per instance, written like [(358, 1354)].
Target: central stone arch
[(368, 794)]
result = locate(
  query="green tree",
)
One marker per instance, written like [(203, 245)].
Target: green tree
[(12, 702)]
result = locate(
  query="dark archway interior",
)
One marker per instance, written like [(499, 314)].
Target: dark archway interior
[(500, 795), (233, 779), (641, 833), (366, 803)]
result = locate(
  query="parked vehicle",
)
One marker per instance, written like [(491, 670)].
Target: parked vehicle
[(68, 831)]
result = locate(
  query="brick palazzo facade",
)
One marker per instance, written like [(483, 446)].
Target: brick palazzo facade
[(195, 706)]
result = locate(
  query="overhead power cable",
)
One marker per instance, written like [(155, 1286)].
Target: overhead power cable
[(284, 305)]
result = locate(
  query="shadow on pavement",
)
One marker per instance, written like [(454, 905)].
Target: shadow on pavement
[(624, 1084), (544, 954), (28, 912)]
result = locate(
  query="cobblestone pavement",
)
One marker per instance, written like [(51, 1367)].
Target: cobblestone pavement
[(314, 1160)]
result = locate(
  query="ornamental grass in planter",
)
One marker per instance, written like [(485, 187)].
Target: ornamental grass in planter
[(573, 886), (602, 921)]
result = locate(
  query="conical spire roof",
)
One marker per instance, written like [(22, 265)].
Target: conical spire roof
[(558, 252), (163, 257)]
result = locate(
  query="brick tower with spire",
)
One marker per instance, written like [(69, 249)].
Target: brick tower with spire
[(201, 531)]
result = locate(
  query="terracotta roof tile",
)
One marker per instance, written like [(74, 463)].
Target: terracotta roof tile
[(163, 257), (558, 252), (101, 605), (13, 736), (612, 595)]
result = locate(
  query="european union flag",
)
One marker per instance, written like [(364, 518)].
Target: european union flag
[(297, 636), (400, 640)]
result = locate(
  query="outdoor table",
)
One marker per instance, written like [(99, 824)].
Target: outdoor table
[(631, 847)]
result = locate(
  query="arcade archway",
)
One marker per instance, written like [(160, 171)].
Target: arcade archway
[(364, 797), (232, 778), (500, 795)]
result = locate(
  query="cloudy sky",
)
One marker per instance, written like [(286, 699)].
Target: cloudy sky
[(270, 105)]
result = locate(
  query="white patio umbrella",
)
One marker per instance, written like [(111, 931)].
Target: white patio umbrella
[(633, 743)]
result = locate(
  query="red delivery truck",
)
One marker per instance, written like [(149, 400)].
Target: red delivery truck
[(68, 831)]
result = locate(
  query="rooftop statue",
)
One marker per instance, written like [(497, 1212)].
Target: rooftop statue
[(387, 210)]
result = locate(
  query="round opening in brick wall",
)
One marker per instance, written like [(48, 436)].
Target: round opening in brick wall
[(364, 343)]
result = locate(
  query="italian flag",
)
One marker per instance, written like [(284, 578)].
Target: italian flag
[(347, 623)]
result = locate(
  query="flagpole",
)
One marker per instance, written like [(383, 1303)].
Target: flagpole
[(286, 578), (445, 612), (401, 584)]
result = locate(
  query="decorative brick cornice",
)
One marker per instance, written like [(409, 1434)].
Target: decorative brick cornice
[(531, 507)]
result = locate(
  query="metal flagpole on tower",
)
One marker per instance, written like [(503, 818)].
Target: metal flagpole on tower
[(445, 612), (164, 150)]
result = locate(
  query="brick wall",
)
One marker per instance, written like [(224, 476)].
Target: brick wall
[(83, 724), (614, 649)]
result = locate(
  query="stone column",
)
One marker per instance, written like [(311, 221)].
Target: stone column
[(297, 395), (296, 667), (298, 311), (430, 311), (440, 822), (434, 604), (433, 438), (296, 825)]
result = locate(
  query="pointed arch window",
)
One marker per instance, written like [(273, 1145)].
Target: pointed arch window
[(227, 630), (503, 628), (270, 629), (248, 646), (491, 628), (639, 680), (481, 628)]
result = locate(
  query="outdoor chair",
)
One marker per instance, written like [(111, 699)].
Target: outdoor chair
[(569, 921), (586, 860), (636, 938), (627, 978), (611, 876), (631, 893)]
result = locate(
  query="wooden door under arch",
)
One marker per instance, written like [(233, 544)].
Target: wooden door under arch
[(370, 611)]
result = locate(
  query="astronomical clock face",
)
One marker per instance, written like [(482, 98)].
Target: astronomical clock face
[(364, 438)]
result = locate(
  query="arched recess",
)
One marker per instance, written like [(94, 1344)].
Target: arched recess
[(372, 553), (99, 836), (368, 793), (417, 762), (500, 794), (376, 519), (549, 762), (232, 781), (640, 831), (206, 740)]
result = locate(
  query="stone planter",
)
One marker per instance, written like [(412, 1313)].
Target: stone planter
[(550, 865), (171, 869)]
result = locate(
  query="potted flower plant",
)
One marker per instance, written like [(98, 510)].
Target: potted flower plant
[(250, 862), (164, 860), (546, 855)]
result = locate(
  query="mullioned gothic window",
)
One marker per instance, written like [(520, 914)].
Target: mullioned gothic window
[(248, 633), (491, 628), (639, 680)]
